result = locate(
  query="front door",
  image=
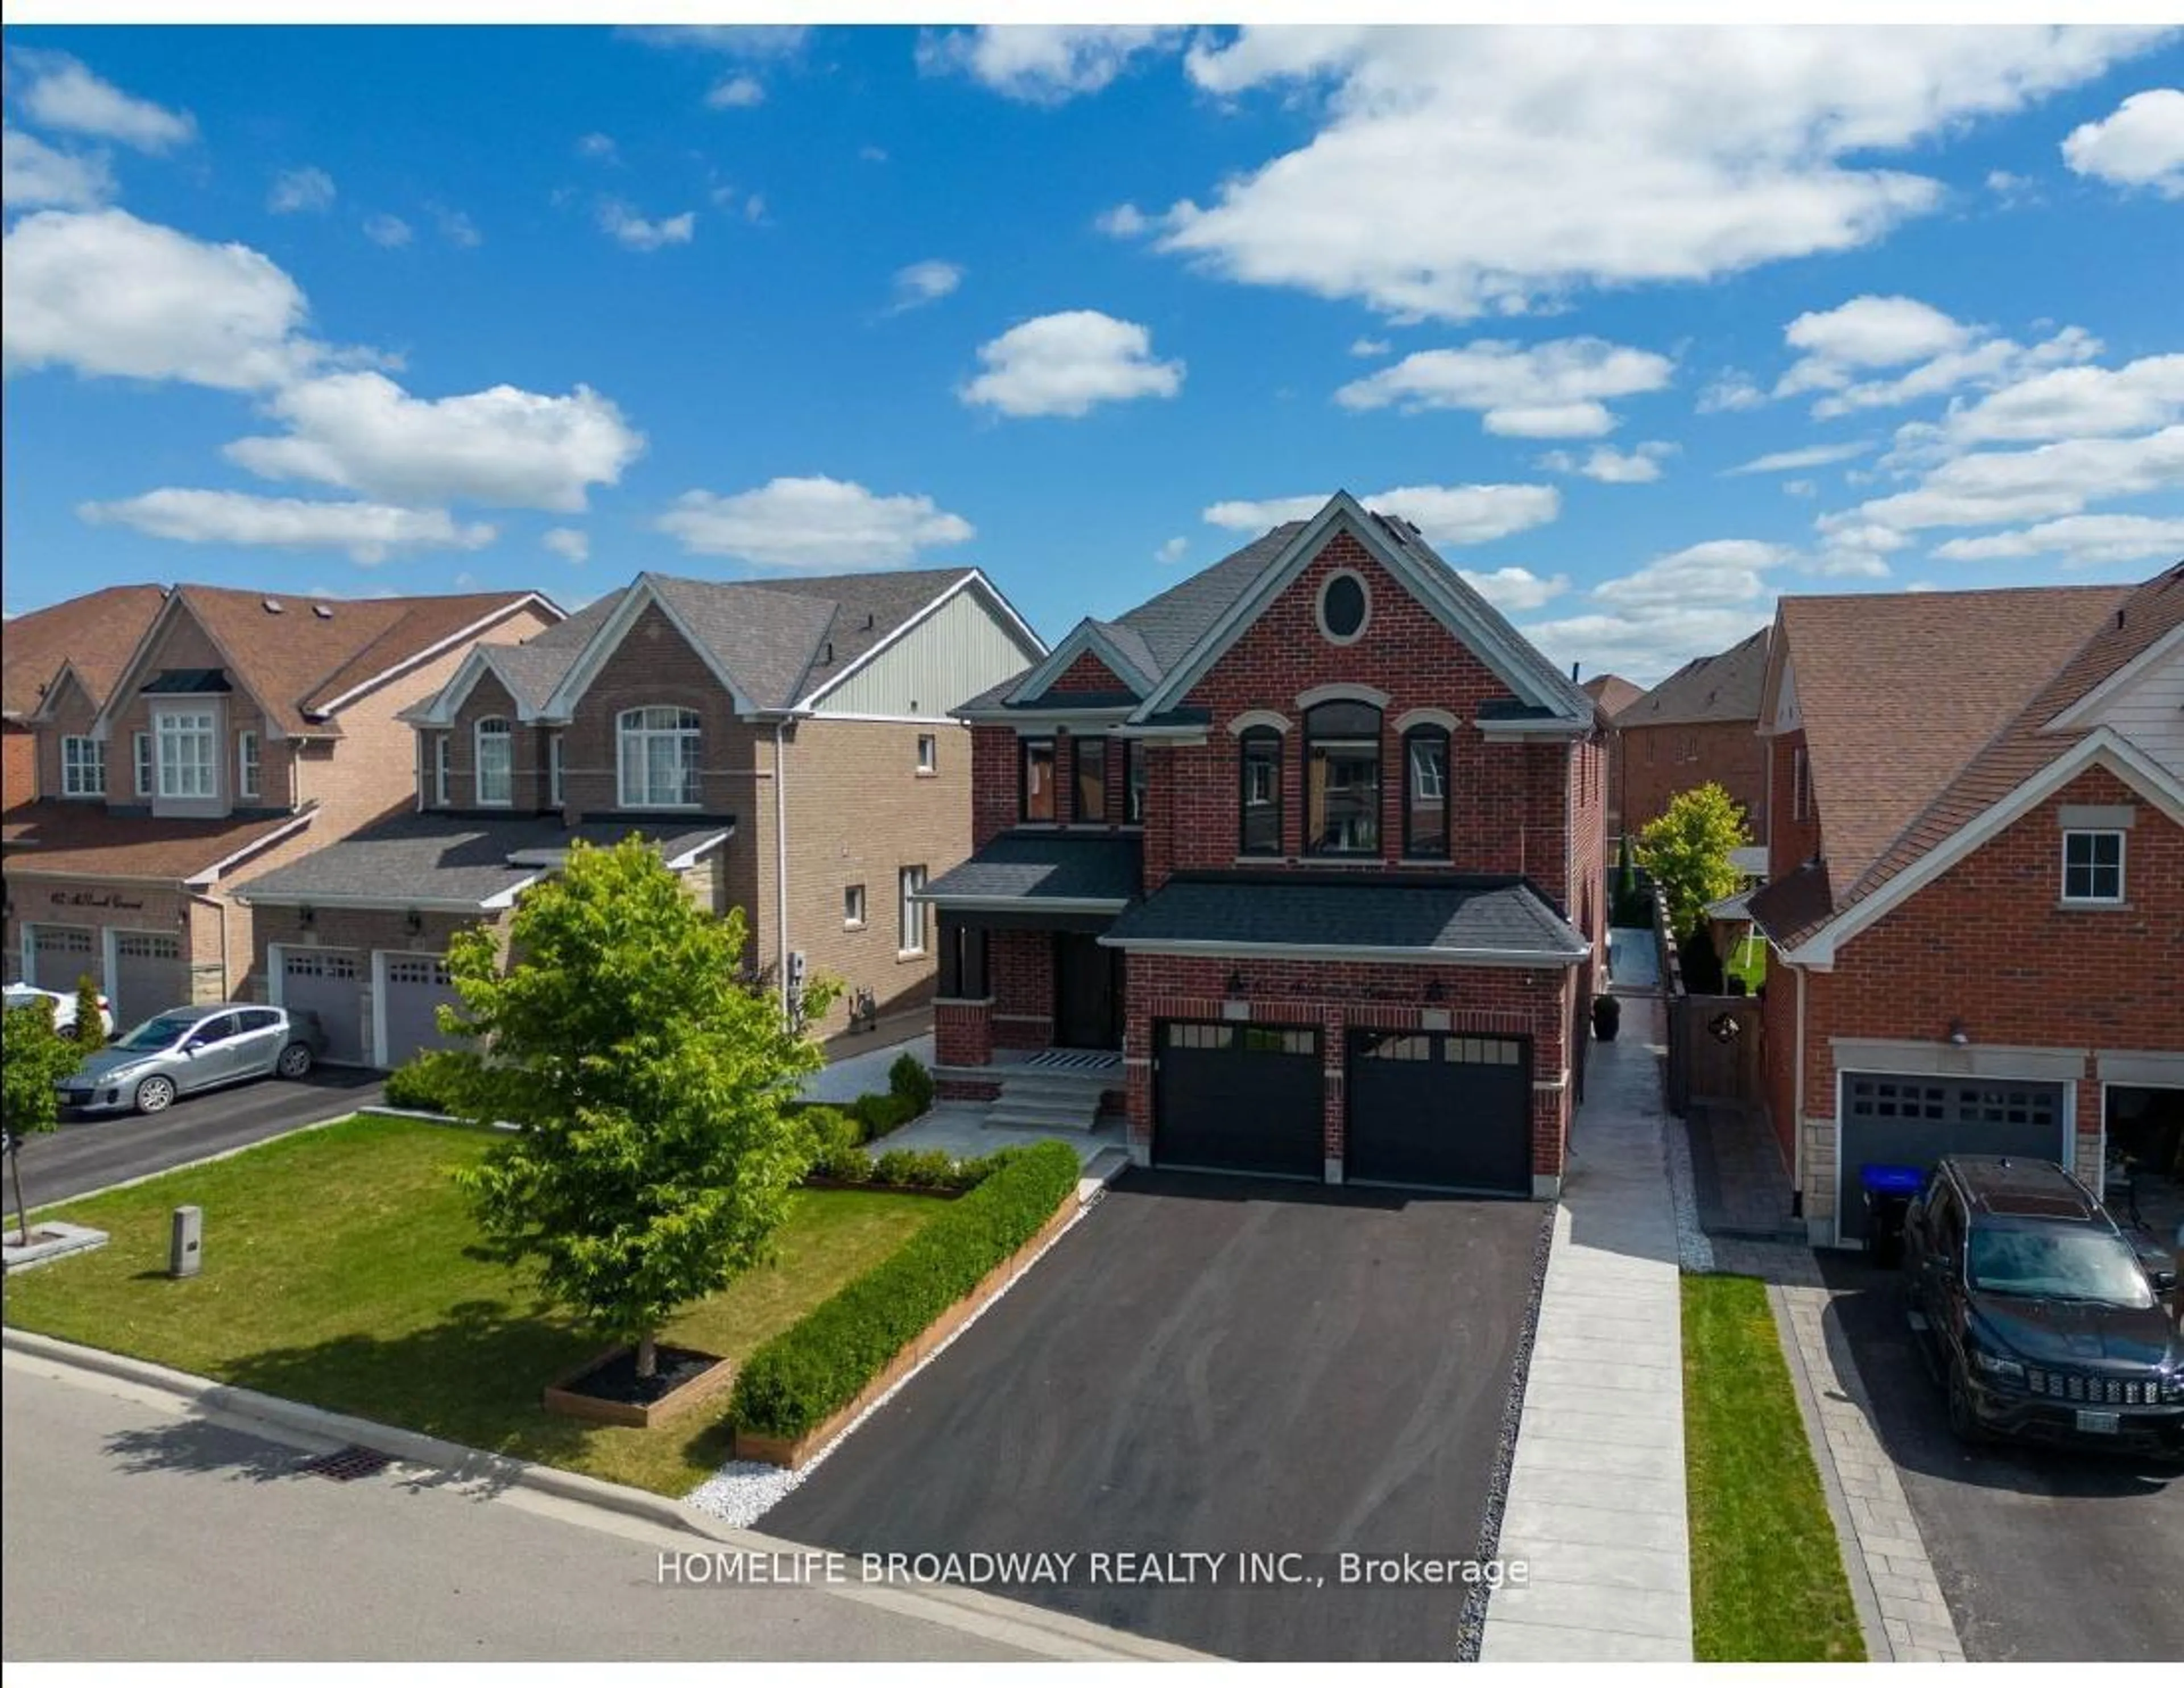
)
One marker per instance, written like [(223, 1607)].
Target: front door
[(1087, 995)]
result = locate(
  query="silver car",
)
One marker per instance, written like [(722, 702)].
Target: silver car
[(194, 1048)]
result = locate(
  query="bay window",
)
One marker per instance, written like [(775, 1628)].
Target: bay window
[(188, 761)]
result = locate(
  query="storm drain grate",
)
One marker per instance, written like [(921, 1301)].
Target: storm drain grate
[(345, 1465)]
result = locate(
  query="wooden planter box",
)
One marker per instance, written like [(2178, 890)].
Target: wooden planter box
[(795, 1452), (561, 1399)]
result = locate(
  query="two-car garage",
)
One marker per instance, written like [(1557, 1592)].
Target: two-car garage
[(378, 1007), (1439, 1111), (142, 972)]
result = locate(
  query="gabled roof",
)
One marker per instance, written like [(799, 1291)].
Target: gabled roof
[(88, 841), (93, 636), (306, 659), (1722, 687), (1897, 691), (1612, 693)]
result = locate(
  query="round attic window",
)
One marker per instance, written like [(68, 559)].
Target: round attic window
[(1344, 608)]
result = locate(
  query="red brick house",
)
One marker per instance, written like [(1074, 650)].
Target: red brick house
[(1303, 859), (784, 744), (80, 642), (1696, 727), (1612, 694), (238, 732), (1975, 903)]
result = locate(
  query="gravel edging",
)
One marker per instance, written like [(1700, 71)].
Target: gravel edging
[(1471, 1626), (742, 1492), (1694, 1251)]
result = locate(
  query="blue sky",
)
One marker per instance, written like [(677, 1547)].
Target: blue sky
[(371, 310)]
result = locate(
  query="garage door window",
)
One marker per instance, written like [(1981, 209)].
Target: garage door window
[(2092, 867), (1978, 1103), (417, 970), (328, 964)]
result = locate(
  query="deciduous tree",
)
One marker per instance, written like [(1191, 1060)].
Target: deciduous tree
[(34, 1059), (1687, 850)]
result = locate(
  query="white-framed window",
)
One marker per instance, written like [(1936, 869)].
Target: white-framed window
[(913, 911), (656, 757), (2092, 867), (496, 763), (442, 766), (928, 752), (853, 907), (83, 766), (189, 760), (140, 756), (246, 764), (554, 770)]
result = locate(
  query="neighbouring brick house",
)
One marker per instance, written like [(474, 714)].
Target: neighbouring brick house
[(78, 645), (241, 731), (1697, 727), (1612, 694), (785, 744), (1976, 896), (1304, 857)]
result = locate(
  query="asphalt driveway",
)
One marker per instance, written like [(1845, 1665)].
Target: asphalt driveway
[(89, 1152), (1214, 1365), (2043, 1553)]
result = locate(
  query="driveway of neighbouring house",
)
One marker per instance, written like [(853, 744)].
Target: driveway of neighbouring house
[(2043, 1553), (1216, 1365)]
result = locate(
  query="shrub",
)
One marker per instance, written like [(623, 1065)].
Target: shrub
[(817, 1365), (423, 1084), (843, 1162), (1702, 963), (908, 1079), (90, 1023), (880, 1113), (915, 1169)]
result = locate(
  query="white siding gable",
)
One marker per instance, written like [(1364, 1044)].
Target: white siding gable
[(2149, 711), (958, 651)]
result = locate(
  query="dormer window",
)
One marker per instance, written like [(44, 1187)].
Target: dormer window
[(187, 756), (496, 763), (656, 754), (1342, 779)]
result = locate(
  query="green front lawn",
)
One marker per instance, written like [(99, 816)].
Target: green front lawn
[(1767, 1574), (339, 1271)]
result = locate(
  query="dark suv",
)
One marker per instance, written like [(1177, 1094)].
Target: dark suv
[(2042, 1317)]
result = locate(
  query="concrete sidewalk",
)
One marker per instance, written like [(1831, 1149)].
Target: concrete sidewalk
[(1596, 1506)]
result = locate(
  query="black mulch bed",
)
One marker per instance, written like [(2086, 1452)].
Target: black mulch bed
[(614, 1378)]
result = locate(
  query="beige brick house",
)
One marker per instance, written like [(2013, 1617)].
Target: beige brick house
[(785, 744), (242, 731)]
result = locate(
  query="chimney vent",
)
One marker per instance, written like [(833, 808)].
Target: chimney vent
[(272, 605)]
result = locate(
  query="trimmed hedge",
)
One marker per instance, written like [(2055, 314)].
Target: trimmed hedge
[(816, 1367), (883, 1112), (419, 1084)]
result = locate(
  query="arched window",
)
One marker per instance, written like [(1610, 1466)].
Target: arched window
[(496, 764), (1342, 779), (1259, 792), (656, 757), (1425, 793)]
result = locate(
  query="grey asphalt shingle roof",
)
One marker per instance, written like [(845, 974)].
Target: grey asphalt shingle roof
[(1170, 624), (1470, 915), (453, 858), (1036, 867), (1723, 687)]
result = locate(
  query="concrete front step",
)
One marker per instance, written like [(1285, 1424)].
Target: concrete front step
[(1029, 1118)]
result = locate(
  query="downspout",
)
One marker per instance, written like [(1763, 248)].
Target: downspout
[(781, 860), (1798, 1106)]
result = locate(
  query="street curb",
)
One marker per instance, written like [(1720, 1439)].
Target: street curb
[(971, 1611)]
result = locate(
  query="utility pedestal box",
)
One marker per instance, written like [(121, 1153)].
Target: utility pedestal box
[(186, 1243)]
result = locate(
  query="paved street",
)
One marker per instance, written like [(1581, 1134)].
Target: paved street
[(2042, 1554), (91, 1153), (1210, 1364), (135, 1532)]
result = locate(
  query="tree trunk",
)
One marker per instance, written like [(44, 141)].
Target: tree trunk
[(22, 1214), (648, 1356)]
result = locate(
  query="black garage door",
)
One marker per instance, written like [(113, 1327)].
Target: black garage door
[(1909, 1120), (1438, 1110), (1235, 1098)]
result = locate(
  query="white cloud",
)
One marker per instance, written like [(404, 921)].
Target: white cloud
[(502, 446), (1515, 591), (369, 533), (1731, 390), (1804, 457), (1448, 516), (1548, 390), (2081, 541), (1802, 489), (58, 92), (1457, 172), (600, 148), (730, 40), (1064, 364), (306, 188), (922, 282), (812, 522), (383, 228), (1124, 222), (455, 227), (1172, 550), (1045, 64), (1990, 362), (738, 92), (1870, 332), (1606, 465), (1987, 489), (2066, 403), (642, 234), (103, 293), (2140, 144), (571, 543), (31, 173), (1363, 347), (1688, 602)]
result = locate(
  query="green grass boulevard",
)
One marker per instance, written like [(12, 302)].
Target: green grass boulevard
[(342, 1271)]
